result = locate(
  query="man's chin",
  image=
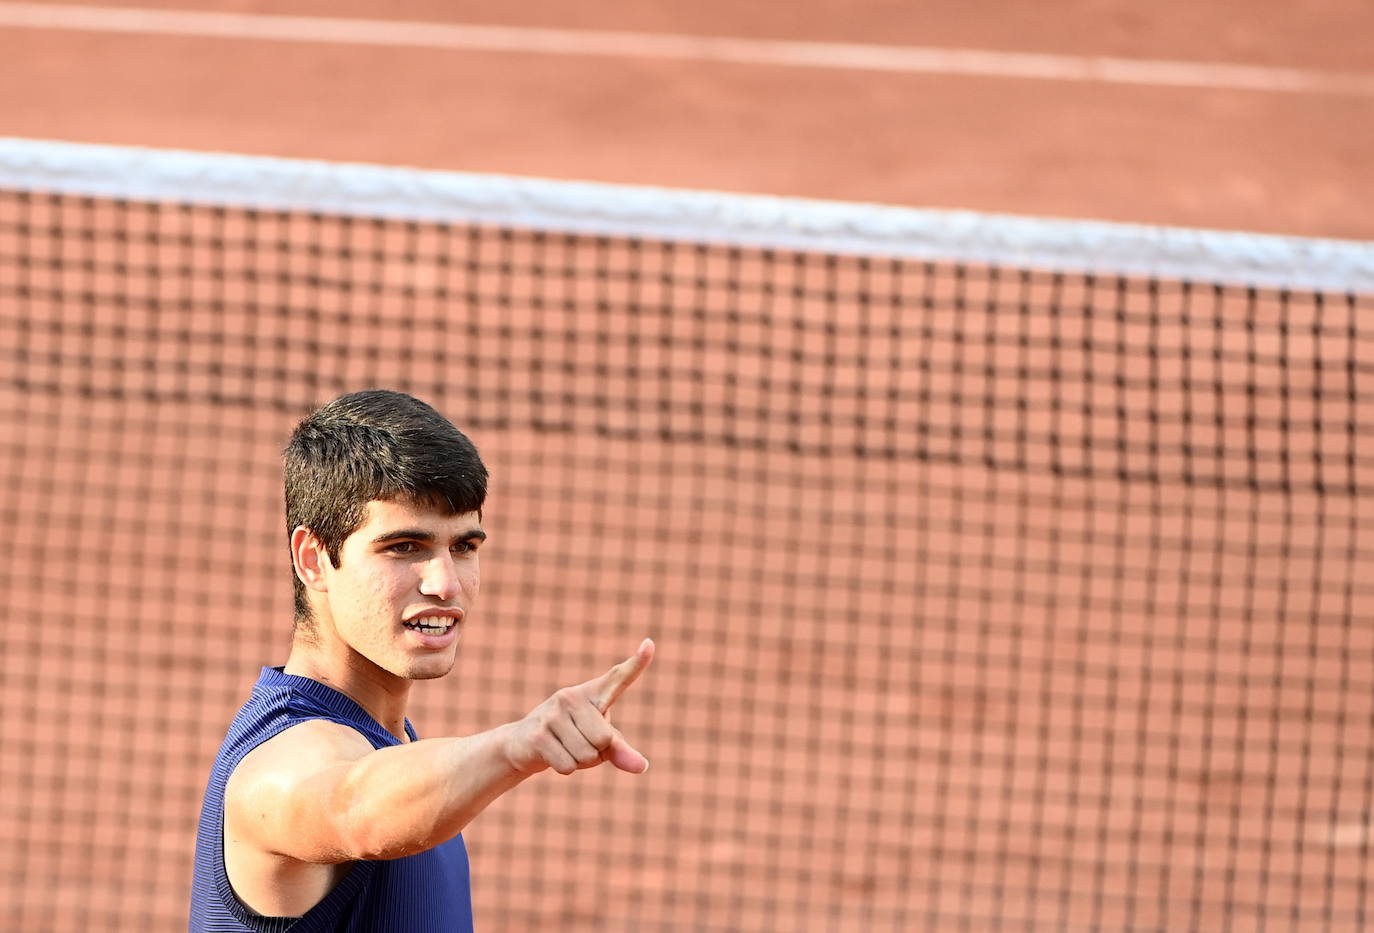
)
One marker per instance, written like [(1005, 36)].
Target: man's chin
[(429, 668), (429, 673), (430, 663)]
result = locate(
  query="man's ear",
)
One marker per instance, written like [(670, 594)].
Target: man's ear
[(310, 558)]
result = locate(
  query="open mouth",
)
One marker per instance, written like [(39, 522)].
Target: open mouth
[(430, 626)]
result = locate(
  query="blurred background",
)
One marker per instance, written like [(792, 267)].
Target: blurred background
[(986, 597)]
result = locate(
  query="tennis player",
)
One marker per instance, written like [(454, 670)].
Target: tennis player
[(324, 810)]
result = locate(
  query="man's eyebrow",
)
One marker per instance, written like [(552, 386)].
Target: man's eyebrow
[(420, 534)]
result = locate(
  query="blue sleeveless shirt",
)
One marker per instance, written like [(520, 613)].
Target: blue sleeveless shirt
[(424, 893)]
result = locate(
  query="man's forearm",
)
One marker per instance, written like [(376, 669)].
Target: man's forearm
[(408, 798)]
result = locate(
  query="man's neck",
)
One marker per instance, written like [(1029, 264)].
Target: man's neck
[(381, 694)]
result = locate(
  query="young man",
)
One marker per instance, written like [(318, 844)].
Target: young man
[(324, 811)]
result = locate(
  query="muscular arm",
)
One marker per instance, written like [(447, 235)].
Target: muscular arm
[(319, 793)]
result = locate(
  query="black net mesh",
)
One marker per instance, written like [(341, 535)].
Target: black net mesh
[(986, 598)]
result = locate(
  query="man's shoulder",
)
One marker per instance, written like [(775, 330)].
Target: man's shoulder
[(290, 728), (281, 702), (300, 750)]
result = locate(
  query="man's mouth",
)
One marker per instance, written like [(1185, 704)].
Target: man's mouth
[(430, 626)]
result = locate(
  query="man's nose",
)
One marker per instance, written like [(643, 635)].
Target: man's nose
[(440, 577)]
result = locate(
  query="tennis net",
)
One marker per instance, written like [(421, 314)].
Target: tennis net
[(1006, 574)]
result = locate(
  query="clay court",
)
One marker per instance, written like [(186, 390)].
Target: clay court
[(977, 608), (1291, 162)]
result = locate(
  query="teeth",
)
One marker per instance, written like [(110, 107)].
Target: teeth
[(436, 627)]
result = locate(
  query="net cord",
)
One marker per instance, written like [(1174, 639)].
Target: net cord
[(1078, 246)]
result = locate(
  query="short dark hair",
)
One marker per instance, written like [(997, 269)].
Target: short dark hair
[(375, 444)]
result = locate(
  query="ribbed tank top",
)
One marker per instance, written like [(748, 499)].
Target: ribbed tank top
[(424, 893)]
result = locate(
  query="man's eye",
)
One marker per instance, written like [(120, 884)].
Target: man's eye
[(464, 547), (402, 547)]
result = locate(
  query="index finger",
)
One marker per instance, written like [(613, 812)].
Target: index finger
[(607, 688)]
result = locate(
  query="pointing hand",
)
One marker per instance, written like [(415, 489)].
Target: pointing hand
[(569, 731)]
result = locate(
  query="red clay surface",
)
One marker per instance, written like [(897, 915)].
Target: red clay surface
[(1266, 161)]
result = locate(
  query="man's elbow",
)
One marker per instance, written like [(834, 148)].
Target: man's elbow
[(369, 832), (372, 844)]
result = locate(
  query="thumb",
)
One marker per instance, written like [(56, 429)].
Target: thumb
[(624, 756)]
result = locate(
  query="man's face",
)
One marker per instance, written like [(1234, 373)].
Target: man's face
[(405, 580)]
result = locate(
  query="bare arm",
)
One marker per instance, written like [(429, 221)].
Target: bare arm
[(319, 793)]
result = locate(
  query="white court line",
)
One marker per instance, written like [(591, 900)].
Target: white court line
[(909, 59)]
